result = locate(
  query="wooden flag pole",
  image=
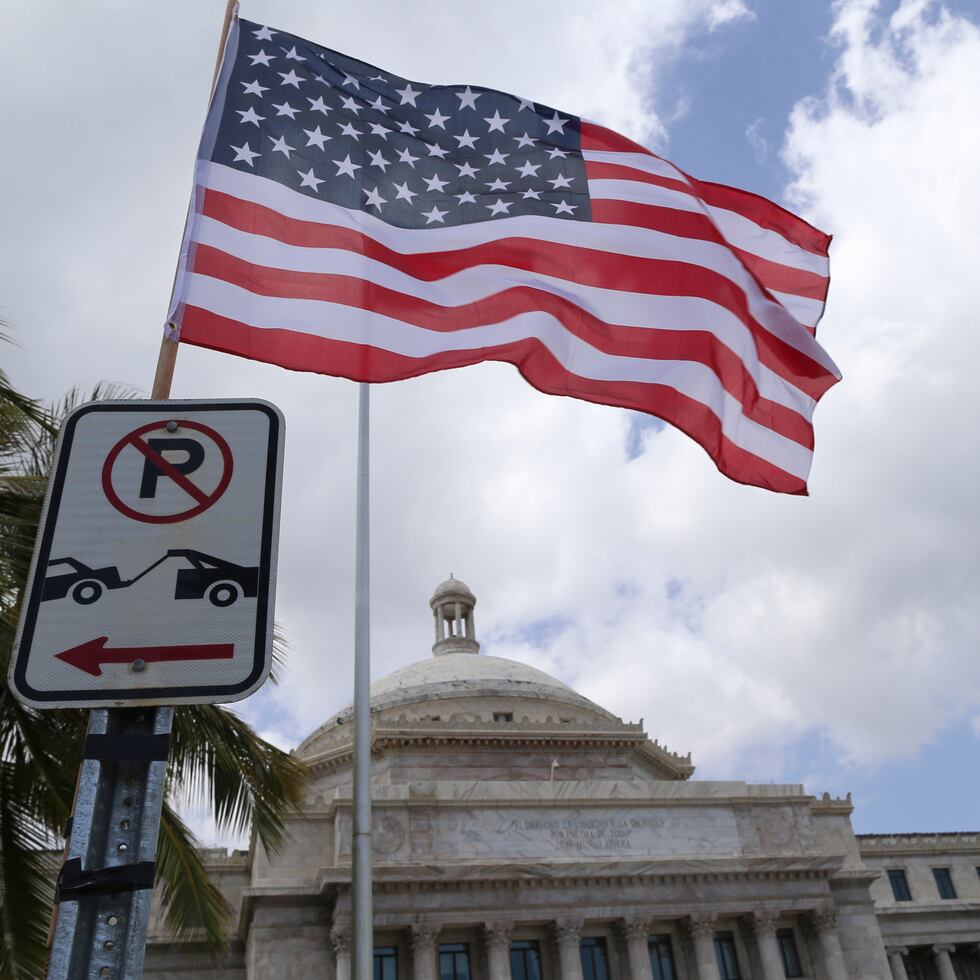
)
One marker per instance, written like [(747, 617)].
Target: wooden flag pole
[(164, 376)]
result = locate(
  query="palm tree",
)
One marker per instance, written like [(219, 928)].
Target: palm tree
[(215, 756)]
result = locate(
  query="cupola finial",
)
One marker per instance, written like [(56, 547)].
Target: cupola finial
[(452, 606)]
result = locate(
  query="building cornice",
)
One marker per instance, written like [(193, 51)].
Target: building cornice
[(470, 876), (832, 806), (906, 844), (484, 736), (564, 793)]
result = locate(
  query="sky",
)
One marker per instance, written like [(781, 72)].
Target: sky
[(830, 640)]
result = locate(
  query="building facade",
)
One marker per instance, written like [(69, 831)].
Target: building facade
[(524, 832)]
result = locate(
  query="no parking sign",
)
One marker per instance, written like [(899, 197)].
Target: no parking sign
[(153, 579)]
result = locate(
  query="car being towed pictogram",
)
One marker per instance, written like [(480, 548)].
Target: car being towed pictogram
[(221, 582), (85, 584)]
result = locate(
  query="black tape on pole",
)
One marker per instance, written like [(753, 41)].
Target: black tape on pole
[(74, 883), (127, 748)]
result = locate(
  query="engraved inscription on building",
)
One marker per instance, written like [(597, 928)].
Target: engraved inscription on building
[(468, 833)]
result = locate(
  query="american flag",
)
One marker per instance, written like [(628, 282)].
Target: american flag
[(351, 222)]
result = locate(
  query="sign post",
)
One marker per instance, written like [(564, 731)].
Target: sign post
[(152, 584)]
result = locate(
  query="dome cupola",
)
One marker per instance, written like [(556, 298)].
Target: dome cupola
[(452, 607)]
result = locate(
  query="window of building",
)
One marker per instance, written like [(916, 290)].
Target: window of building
[(900, 885), (525, 960), (454, 961), (914, 969), (727, 960), (503, 716), (594, 963), (662, 958), (944, 882), (790, 954), (385, 963)]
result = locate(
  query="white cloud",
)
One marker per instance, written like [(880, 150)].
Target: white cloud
[(728, 11), (756, 134), (735, 622)]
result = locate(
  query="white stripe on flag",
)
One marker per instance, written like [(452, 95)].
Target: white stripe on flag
[(611, 238), (638, 310), (344, 323)]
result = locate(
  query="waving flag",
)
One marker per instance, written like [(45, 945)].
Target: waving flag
[(350, 222)]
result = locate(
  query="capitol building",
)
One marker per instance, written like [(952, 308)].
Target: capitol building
[(523, 832)]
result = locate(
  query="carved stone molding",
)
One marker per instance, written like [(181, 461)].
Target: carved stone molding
[(823, 921), (423, 935), (340, 937), (897, 951), (941, 948), (761, 923), (567, 930), (634, 929), (497, 934), (701, 925)]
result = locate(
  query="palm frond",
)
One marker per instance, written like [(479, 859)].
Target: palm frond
[(218, 758), (26, 885), (280, 650), (194, 907)]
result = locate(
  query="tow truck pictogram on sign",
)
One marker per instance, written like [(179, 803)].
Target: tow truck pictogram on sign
[(153, 578), (221, 581)]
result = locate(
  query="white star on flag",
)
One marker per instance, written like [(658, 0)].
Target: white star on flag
[(309, 179)]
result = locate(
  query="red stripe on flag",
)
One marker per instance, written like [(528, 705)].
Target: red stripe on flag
[(784, 278), (595, 137), (691, 224), (304, 352), (762, 211), (595, 170), (642, 343), (766, 214), (589, 267)]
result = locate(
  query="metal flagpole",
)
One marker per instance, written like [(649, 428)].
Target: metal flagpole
[(363, 958)]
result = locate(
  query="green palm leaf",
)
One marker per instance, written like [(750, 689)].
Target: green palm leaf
[(195, 908)]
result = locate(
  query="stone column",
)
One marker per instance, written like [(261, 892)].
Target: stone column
[(636, 935), (762, 925), (340, 937), (496, 935), (567, 933), (824, 922), (424, 936), (943, 963), (702, 929), (896, 960)]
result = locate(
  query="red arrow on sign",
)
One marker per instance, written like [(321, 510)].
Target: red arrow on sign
[(91, 655)]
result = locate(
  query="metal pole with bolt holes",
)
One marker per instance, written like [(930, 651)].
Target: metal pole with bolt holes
[(105, 885)]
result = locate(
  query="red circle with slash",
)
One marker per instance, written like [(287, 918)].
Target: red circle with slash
[(204, 499)]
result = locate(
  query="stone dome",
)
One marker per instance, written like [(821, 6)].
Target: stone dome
[(451, 587), (458, 670), (465, 675)]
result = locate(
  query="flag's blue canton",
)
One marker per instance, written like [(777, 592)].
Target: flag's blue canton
[(415, 155)]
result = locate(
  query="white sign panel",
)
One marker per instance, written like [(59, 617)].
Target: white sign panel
[(154, 572)]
